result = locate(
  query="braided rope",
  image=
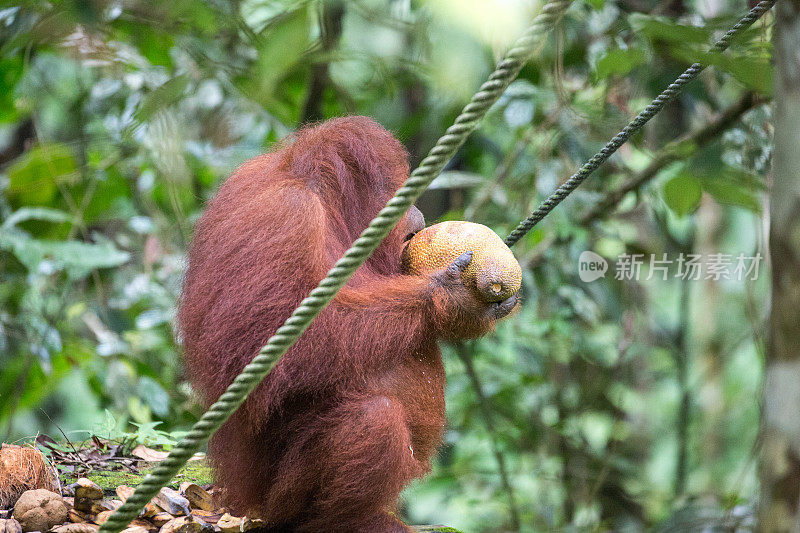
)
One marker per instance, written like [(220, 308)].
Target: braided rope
[(633, 126), (309, 308)]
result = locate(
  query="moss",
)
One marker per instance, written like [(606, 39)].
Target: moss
[(436, 529), (108, 480), (196, 471)]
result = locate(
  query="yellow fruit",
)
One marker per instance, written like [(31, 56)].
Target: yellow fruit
[(493, 273)]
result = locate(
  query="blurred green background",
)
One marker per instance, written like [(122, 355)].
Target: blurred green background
[(608, 404)]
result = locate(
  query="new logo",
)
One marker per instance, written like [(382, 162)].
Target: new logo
[(591, 266)]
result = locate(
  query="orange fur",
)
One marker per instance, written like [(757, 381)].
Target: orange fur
[(355, 409)]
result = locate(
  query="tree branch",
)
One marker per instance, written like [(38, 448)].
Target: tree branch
[(505, 168), (331, 30), (675, 150), (21, 139), (486, 412)]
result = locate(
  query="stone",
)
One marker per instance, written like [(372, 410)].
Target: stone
[(229, 524), (40, 510), (159, 519), (182, 524), (135, 529), (101, 518), (76, 528), (87, 495), (198, 497), (172, 502), (10, 525)]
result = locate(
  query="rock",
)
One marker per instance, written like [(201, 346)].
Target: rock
[(40, 510), (183, 524), (230, 524), (86, 488), (10, 525), (77, 516), (76, 528), (87, 493), (135, 529), (124, 492), (210, 517), (172, 502), (101, 518), (252, 523), (23, 468), (198, 497), (150, 510), (144, 524), (161, 518), (102, 505), (112, 505)]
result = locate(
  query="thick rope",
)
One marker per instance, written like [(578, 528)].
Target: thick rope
[(506, 71), (635, 125)]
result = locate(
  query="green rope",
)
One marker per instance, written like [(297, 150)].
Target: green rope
[(309, 308), (635, 125)]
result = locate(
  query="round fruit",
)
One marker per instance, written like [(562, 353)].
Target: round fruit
[(493, 273)]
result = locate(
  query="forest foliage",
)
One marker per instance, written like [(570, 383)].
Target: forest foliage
[(612, 403)]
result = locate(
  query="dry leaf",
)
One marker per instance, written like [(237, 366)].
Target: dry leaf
[(148, 454)]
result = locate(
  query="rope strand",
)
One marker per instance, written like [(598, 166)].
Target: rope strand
[(633, 126)]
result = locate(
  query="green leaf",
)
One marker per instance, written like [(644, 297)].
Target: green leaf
[(752, 70), (76, 258), (36, 213), (162, 97), (280, 47), (733, 186), (449, 179), (40, 383), (110, 200), (34, 177), (151, 42), (154, 395), (683, 193), (11, 69), (619, 62), (662, 29)]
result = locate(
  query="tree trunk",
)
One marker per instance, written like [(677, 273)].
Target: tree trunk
[(780, 458)]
